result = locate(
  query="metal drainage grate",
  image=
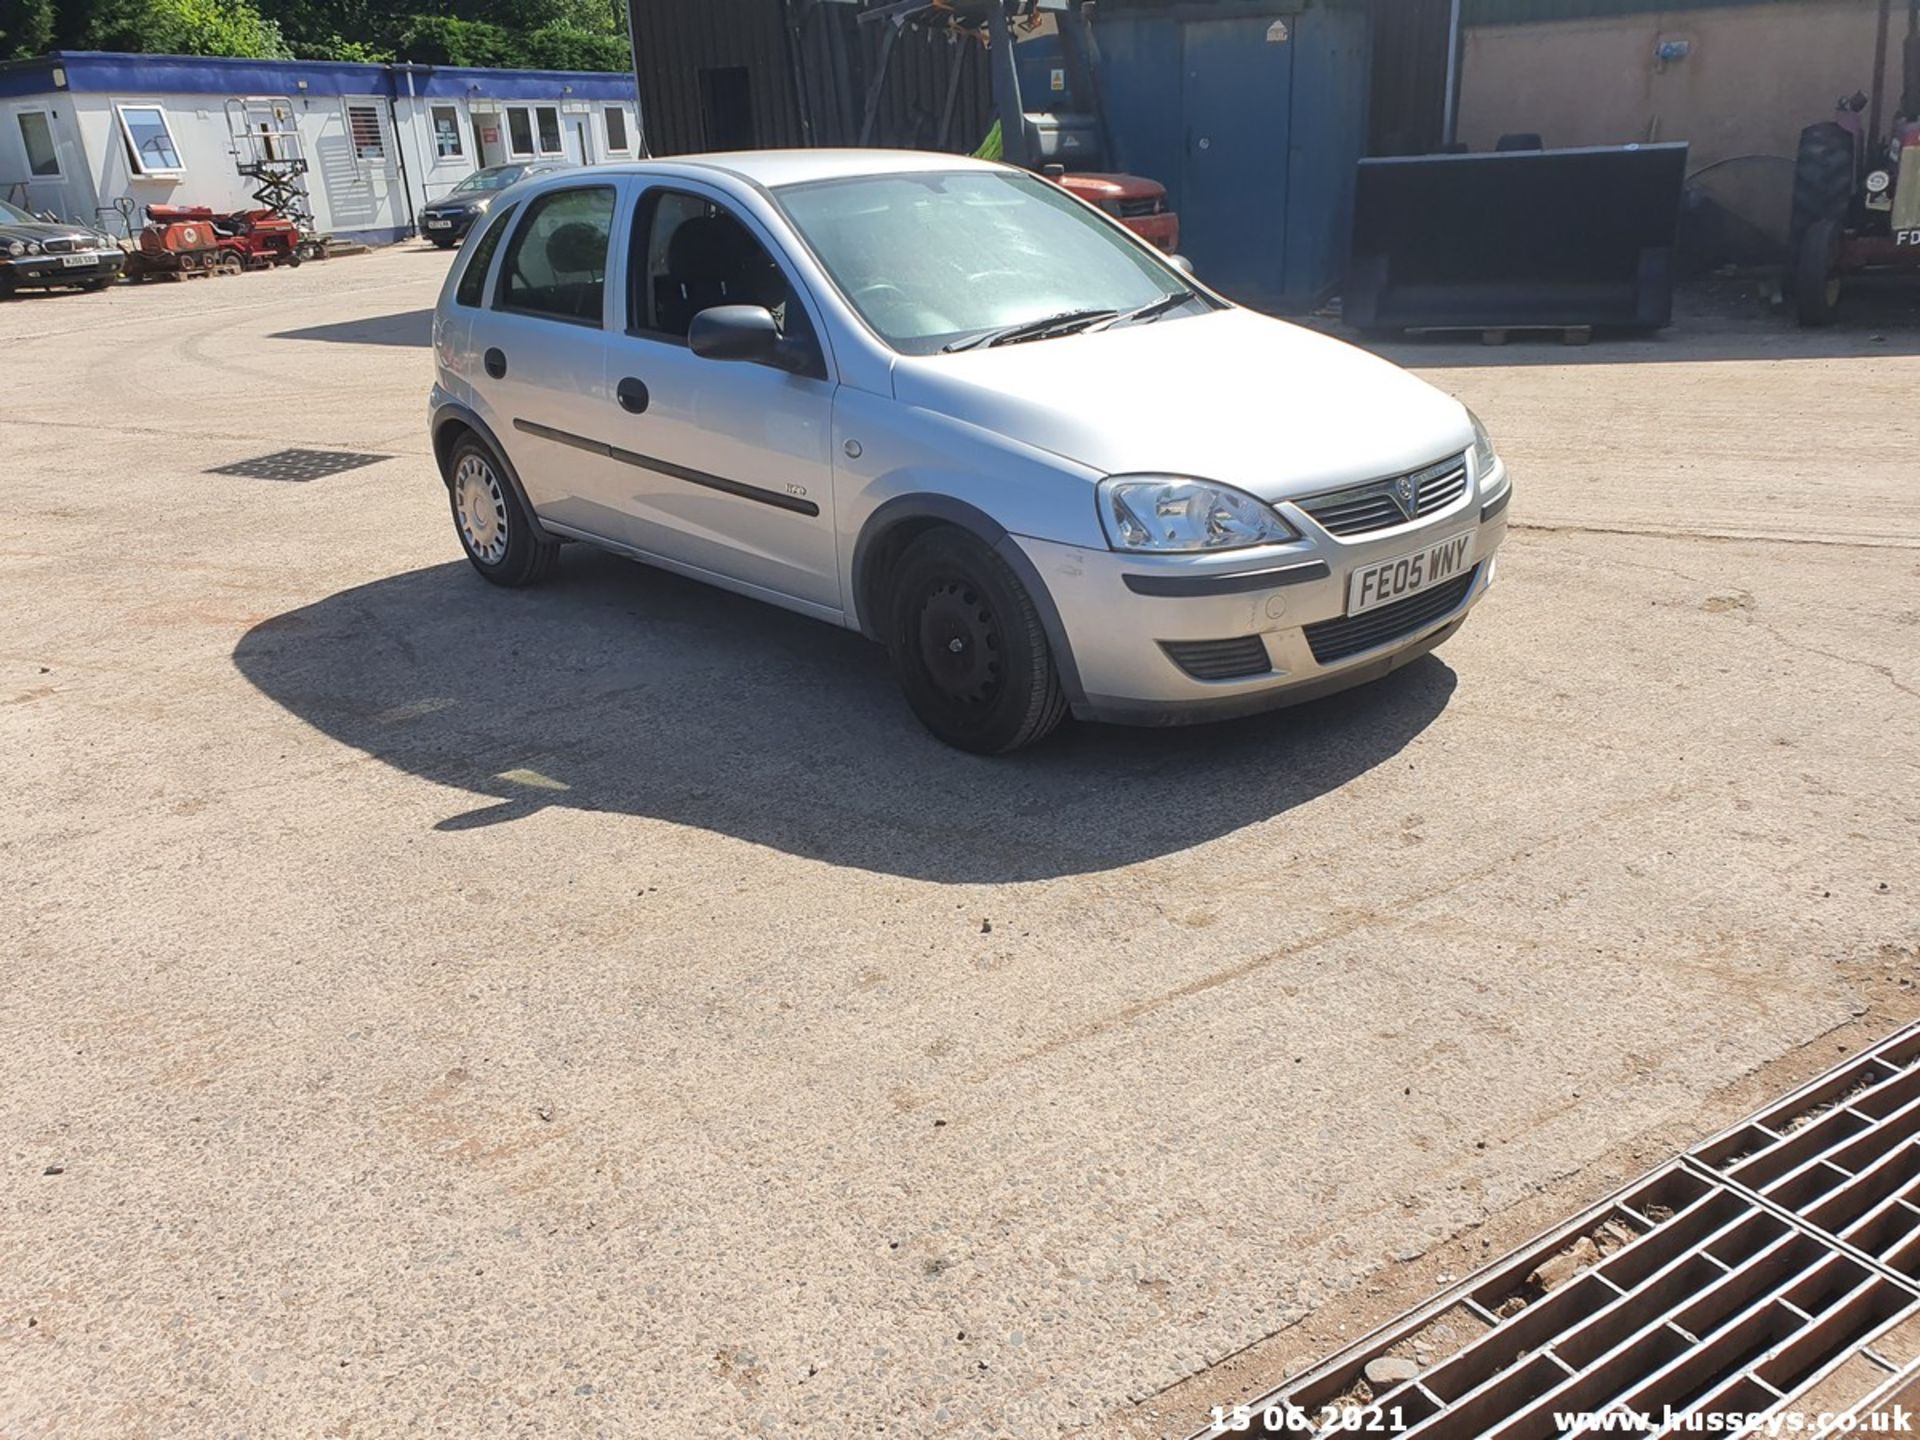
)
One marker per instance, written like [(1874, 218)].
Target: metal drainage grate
[(1841, 1155), (298, 466), (1773, 1267)]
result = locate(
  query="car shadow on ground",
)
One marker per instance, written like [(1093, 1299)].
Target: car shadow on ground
[(621, 688), (410, 328)]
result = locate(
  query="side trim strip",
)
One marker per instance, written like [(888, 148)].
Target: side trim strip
[(1234, 584), (1494, 507), (667, 467)]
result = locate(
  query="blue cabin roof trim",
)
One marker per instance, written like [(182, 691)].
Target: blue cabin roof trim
[(104, 73)]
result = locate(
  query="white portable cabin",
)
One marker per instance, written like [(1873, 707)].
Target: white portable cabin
[(81, 131)]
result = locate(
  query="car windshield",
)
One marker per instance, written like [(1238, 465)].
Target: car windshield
[(940, 261), (11, 214), (495, 179)]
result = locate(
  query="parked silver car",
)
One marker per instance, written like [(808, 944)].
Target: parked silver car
[(945, 403)]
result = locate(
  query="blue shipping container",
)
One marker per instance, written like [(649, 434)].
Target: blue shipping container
[(1253, 116)]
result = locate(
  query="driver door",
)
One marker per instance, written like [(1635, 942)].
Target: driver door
[(724, 467)]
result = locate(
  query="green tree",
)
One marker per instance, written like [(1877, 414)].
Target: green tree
[(566, 47), (26, 28), (187, 27)]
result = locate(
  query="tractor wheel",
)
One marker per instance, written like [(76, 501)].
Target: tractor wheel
[(1822, 184), (1816, 275), (231, 262)]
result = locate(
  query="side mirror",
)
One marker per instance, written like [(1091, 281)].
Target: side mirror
[(734, 332), (1181, 263)]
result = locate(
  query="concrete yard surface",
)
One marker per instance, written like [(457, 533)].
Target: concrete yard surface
[(601, 1010)]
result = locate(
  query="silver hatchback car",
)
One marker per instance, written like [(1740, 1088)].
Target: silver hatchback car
[(945, 403)]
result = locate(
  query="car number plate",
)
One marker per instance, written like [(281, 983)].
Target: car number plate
[(1389, 580), (439, 224), (74, 262)]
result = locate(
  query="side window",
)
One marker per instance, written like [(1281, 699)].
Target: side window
[(689, 255), (519, 133), (556, 263), (473, 280)]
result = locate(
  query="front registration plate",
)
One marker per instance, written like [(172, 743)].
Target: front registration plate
[(1389, 580), (439, 224), (74, 262)]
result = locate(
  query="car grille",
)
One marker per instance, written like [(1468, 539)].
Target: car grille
[(1136, 209), (1375, 505), (1219, 659), (63, 245), (1336, 639)]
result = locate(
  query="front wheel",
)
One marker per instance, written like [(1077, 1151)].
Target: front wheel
[(495, 530), (968, 647)]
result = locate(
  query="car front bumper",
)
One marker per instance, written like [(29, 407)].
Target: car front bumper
[(1277, 600), (458, 223), (53, 269)]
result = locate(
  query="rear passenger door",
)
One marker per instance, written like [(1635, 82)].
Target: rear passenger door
[(538, 354), (726, 466)]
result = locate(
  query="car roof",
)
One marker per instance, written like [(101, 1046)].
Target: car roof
[(774, 168)]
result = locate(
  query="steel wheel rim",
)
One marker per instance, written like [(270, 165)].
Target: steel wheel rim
[(481, 508), (960, 644)]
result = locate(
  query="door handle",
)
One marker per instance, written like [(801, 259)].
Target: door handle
[(632, 395), (496, 362)]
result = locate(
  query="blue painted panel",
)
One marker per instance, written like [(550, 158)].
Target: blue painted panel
[(1237, 92), (1331, 68), (1139, 70)]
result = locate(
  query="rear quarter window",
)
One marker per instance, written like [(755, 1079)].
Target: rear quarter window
[(479, 256)]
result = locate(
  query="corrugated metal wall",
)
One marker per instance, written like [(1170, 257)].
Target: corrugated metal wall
[(809, 64), (674, 40), (1409, 86)]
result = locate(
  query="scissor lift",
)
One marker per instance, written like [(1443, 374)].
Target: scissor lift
[(266, 149)]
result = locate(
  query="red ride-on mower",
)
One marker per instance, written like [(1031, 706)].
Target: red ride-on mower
[(174, 248), (186, 240), (1856, 191)]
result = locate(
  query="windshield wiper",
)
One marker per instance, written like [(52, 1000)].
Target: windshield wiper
[(1153, 309), (1065, 322)]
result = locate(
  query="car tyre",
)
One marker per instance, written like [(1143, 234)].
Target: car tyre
[(496, 531), (968, 647), (1816, 280)]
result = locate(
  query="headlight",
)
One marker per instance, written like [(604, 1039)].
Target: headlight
[(1484, 457), (1878, 181), (1171, 513), (479, 207), (17, 247), (33, 247)]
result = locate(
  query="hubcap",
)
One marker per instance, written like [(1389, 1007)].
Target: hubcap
[(960, 643), (481, 509)]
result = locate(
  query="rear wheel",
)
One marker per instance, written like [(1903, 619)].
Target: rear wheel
[(968, 647), (230, 263), (495, 530), (1822, 184), (1816, 279)]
